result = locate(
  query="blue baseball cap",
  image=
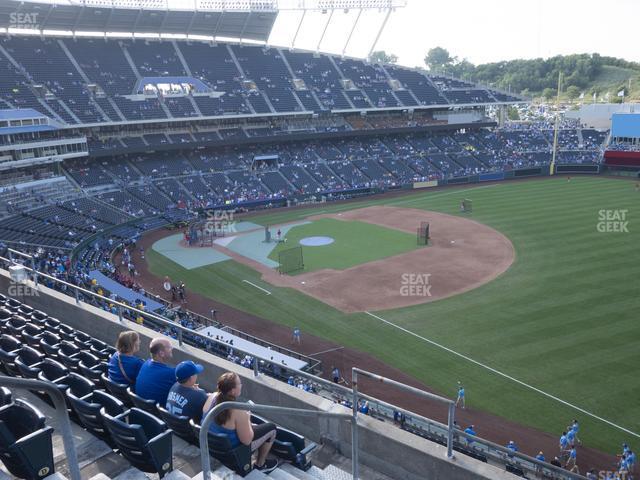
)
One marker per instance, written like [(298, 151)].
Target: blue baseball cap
[(187, 369)]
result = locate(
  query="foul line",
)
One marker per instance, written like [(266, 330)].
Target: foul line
[(327, 351), (509, 377), (258, 287)]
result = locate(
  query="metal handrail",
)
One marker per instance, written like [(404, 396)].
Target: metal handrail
[(407, 388), (211, 414), (61, 415)]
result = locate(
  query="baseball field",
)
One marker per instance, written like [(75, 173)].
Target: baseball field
[(551, 337)]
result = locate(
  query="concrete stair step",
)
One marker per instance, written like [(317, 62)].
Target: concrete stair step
[(280, 474), (132, 474), (316, 473), (296, 472), (332, 472), (224, 473)]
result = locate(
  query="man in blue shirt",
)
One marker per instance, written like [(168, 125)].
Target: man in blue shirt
[(470, 430), (185, 397), (156, 377)]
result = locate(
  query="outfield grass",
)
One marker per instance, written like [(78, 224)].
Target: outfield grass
[(563, 318), (354, 243)]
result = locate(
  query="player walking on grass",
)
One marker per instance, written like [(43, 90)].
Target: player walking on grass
[(460, 398), (297, 338)]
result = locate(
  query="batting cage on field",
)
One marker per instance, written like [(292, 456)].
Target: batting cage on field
[(290, 260), (423, 233)]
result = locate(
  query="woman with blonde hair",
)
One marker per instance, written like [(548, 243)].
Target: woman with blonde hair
[(237, 423), (123, 364)]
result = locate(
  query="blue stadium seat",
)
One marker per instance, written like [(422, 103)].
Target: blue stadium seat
[(180, 425), (28, 362), (289, 445), (50, 343), (149, 406), (89, 410), (25, 442), (237, 459), (31, 335), (118, 390), (142, 439), (9, 347), (5, 396)]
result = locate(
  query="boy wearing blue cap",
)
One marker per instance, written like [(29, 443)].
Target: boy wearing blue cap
[(185, 397)]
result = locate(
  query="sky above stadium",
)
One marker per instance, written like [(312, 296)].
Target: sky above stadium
[(479, 30)]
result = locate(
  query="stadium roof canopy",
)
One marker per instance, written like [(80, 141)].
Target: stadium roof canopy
[(243, 19), (248, 19)]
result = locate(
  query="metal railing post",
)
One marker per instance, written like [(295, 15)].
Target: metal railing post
[(450, 429), (354, 428), (421, 393), (35, 272), (180, 337), (256, 371), (120, 313), (77, 294), (60, 413)]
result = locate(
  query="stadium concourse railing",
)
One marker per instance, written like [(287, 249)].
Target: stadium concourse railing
[(448, 435)]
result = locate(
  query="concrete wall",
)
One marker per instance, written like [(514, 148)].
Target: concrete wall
[(384, 447)]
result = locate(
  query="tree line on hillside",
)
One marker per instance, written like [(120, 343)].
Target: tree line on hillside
[(528, 77)]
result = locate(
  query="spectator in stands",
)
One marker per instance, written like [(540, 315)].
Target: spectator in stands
[(124, 366), (237, 423), (186, 398), (156, 377)]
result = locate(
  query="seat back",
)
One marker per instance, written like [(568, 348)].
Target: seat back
[(287, 445), (52, 370), (9, 347), (27, 362), (31, 335), (15, 325), (143, 403), (78, 385), (66, 353), (237, 459), (89, 411), (118, 390), (93, 373), (179, 424), (49, 343), (26, 445), (5, 396), (142, 439)]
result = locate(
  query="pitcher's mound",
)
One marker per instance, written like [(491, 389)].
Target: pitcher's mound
[(316, 241)]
